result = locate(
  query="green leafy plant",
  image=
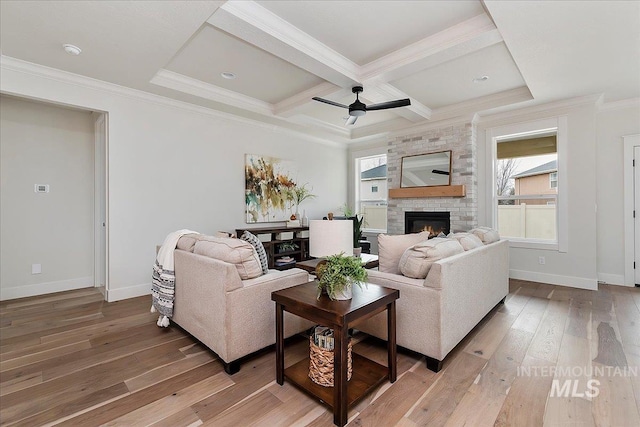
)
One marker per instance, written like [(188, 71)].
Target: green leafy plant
[(338, 272), (287, 247), (358, 222), (300, 193)]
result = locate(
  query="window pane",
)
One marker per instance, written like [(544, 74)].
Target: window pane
[(528, 219), (372, 191), (527, 189)]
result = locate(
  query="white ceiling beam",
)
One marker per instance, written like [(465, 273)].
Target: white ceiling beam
[(461, 39), (262, 28), (287, 107)]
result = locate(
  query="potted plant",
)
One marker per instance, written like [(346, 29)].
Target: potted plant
[(338, 274), (358, 221), (298, 194)]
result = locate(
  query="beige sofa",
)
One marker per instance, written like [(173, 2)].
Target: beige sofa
[(231, 316), (434, 314)]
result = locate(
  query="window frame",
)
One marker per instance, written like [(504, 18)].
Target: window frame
[(493, 136), (551, 180), (359, 201)]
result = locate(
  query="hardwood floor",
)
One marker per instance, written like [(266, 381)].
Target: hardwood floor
[(72, 359)]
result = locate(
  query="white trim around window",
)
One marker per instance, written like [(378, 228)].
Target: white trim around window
[(559, 124)]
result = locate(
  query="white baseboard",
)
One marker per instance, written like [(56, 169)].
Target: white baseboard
[(611, 279), (45, 288), (129, 292), (552, 279)]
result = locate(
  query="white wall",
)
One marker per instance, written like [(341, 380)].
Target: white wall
[(613, 123), (173, 165), (577, 266), (44, 144)]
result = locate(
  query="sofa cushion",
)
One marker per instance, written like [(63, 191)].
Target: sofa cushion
[(417, 260), (467, 240), (187, 242), (391, 248), (259, 247), (486, 234), (234, 251)]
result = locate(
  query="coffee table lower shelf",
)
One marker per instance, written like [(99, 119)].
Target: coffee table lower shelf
[(366, 376)]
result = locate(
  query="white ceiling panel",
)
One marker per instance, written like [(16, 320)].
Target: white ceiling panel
[(123, 42), (364, 31), (452, 82), (259, 74)]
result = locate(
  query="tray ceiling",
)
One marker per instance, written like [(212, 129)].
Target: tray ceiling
[(283, 53)]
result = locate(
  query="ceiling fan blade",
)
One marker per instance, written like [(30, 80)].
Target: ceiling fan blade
[(326, 101), (391, 104), (440, 172), (351, 120)]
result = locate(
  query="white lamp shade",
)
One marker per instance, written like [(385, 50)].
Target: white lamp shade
[(330, 237)]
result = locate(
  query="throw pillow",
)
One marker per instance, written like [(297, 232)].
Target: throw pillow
[(233, 251), (391, 248), (486, 234), (467, 240), (187, 242), (417, 260), (259, 247)]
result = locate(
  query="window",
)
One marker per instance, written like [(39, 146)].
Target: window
[(526, 186), (371, 192)]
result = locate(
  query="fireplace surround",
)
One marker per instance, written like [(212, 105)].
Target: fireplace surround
[(434, 222)]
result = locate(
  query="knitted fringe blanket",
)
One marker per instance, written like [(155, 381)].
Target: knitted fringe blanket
[(163, 278)]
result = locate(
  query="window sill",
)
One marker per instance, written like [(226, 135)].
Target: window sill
[(532, 244)]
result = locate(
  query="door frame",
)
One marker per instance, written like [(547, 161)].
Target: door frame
[(101, 201), (630, 141)]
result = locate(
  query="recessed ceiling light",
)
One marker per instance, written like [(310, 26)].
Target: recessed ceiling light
[(71, 49), (481, 79), (228, 75)]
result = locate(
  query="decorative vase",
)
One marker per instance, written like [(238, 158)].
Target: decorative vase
[(345, 294), (357, 252)]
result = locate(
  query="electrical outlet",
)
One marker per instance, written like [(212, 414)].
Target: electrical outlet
[(36, 268), (541, 260)]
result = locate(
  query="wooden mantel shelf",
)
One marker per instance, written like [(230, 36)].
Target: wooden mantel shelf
[(439, 191)]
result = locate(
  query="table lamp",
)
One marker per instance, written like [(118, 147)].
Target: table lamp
[(330, 238)]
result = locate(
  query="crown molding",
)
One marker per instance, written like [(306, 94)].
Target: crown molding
[(19, 66), (461, 39), (550, 108), (620, 105), (191, 86), (500, 99), (308, 120)]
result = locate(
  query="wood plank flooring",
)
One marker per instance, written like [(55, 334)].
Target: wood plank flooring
[(550, 355)]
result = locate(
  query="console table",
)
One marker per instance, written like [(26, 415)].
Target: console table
[(272, 246), (302, 301)]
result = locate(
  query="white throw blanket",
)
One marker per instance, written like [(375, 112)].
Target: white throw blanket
[(164, 278)]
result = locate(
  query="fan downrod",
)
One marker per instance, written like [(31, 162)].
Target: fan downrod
[(357, 89)]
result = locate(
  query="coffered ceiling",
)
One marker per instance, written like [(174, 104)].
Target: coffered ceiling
[(283, 53)]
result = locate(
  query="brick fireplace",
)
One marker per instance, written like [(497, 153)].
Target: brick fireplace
[(461, 140)]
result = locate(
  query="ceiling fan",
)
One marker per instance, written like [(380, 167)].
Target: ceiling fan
[(358, 108)]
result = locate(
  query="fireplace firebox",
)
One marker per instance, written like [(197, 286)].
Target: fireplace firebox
[(433, 222)]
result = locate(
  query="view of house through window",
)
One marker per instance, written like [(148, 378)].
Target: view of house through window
[(371, 191), (527, 187)]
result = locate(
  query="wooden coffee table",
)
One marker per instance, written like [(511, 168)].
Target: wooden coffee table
[(370, 261), (302, 301)]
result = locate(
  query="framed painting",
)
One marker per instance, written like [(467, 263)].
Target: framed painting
[(268, 181)]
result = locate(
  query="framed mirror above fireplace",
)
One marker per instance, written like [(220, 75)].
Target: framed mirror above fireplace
[(426, 170)]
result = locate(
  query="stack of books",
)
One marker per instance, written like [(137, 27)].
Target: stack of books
[(287, 260)]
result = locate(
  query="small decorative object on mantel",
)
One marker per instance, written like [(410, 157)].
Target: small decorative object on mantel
[(339, 274)]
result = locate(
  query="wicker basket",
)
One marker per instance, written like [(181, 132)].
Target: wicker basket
[(321, 364)]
